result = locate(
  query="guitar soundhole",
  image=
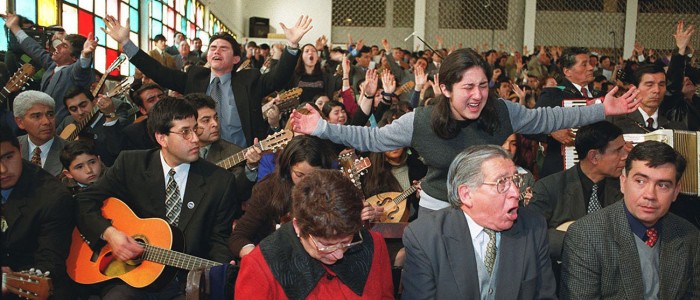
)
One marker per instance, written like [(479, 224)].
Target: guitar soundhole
[(112, 267)]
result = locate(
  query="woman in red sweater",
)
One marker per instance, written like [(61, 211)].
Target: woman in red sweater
[(324, 253)]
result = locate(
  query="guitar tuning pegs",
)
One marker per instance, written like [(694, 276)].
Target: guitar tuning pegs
[(31, 270), (47, 273)]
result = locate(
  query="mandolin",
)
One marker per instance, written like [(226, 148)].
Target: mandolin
[(155, 268), (394, 205), (272, 143), (353, 167), (286, 101)]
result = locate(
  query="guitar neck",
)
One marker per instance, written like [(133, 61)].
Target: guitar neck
[(79, 126), (405, 194), (233, 160), (176, 259)]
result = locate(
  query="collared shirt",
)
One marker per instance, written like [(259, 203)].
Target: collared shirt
[(231, 127), (6, 194), (181, 173), (480, 239), (645, 116), (638, 228), (578, 87), (44, 149), (587, 186)]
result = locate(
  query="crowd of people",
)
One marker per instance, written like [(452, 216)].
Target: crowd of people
[(205, 142)]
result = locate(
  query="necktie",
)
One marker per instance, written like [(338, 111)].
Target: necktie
[(216, 94), (652, 237), (490, 257), (203, 152), (173, 202), (650, 123), (593, 203), (36, 156), (584, 92)]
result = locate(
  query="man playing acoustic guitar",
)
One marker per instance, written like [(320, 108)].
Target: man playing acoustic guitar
[(169, 183)]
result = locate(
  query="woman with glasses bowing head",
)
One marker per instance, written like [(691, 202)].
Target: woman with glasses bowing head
[(324, 253)]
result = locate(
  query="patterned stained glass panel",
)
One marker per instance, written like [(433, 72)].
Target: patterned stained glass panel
[(70, 18), (48, 12)]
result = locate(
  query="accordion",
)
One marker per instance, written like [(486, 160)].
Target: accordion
[(685, 142)]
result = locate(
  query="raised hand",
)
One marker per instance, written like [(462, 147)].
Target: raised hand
[(682, 36), (89, 45), (294, 34), (360, 44), (518, 91), (371, 79), (305, 124), (420, 77), (436, 85), (388, 82), (115, 30), (346, 67), (12, 22), (624, 104), (385, 44)]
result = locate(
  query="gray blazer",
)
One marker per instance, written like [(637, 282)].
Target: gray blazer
[(441, 263), (559, 198), (600, 258), (53, 160)]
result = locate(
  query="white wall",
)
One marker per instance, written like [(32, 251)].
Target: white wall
[(236, 14)]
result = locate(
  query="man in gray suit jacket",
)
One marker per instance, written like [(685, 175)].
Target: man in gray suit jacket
[(67, 66), (564, 197), (636, 249), (34, 112), (479, 248)]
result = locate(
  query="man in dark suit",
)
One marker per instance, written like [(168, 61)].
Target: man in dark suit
[(577, 84), (66, 67), (564, 197), (238, 94), (650, 80), (170, 183), (214, 149), (34, 112), (38, 216), (635, 248), (104, 129), (135, 136), (483, 246)]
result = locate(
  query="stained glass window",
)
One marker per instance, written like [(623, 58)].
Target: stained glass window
[(86, 16), (170, 16)]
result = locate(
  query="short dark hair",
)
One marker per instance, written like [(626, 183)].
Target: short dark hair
[(327, 204), (159, 37), (568, 56), (330, 105), (656, 154), (364, 49), (200, 100), (6, 135), (595, 136), (196, 39), (76, 42), (264, 46), (160, 118), (229, 38), (646, 69), (73, 149), (600, 78), (74, 92), (137, 94)]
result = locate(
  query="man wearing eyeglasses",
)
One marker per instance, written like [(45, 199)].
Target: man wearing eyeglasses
[(483, 246), (593, 183), (170, 183)]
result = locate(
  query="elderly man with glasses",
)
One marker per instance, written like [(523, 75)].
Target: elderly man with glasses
[(483, 246)]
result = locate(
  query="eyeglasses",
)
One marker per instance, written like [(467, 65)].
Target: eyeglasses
[(333, 248), (503, 184), (187, 132)]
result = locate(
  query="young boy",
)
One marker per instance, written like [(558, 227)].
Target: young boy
[(81, 166)]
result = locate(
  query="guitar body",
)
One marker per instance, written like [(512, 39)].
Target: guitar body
[(68, 132), (393, 212), (82, 268)]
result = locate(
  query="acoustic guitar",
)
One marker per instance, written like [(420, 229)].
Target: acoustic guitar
[(155, 268), (286, 101), (394, 205), (405, 87), (29, 284), (72, 130), (17, 81), (353, 167), (272, 143)]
